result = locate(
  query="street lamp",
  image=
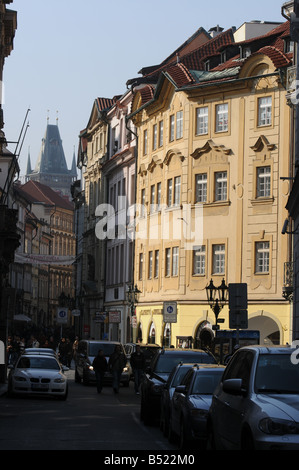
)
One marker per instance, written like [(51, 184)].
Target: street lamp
[(217, 297), (133, 294)]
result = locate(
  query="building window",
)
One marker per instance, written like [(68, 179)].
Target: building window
[(152, 204), (222, 118), (179, 124), (202, 120), (199, 260), (145, 142), (142, 209), (161, 133), (265, 111), (150, 265), (140, 266), (262, 257), (158, 196), (167, 262), (201, 185), (177, 191), (171, 129), (155, 136), (263, 184), (218, 259), (156, 264), (169, 192), (221, 186), (175, 261)]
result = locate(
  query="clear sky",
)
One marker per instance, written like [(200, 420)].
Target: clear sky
[(69, 52)]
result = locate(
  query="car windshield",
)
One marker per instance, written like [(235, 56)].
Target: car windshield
[(276, 374), (106, 347), (38, 363), (182, 371), (206, 382), (166, 362)]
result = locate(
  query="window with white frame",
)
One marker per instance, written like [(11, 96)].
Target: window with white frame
[(145, 142), (202, 120), (156, 271), (199, 260), (263, 183), (179, 124), (140, 266), (201, 185), (218, 259), (155, 136), (177, 191), (158, 196), (262, 257), (167, 261), (265, 111), (152, 204), (150, 265), (221, 186), (171, 128), (222, 117), (169, 192), (175, 261), (161, 125)]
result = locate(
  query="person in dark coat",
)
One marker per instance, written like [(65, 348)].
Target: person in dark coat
[(117, 362), (138, 365), (100, 366)]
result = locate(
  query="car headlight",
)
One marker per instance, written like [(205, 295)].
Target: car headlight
[(19, 379), (90, 367), (278, 427), (60, 380), (125, 369)]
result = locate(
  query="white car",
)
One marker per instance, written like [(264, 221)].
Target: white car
[(38, 375), (256, 404)]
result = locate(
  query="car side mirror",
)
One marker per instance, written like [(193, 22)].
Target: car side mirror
[(180, 389), (233, 386)]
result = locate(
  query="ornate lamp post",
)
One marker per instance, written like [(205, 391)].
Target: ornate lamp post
[(217, 298), (133, 294)]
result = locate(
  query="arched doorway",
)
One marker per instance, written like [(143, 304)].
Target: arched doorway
[(167, 335), (152, 334), (204, 336), (269, 330)]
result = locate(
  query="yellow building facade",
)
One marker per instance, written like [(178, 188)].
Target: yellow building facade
[(213, 149)]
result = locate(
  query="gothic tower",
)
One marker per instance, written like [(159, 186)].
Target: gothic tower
[(51, 167)]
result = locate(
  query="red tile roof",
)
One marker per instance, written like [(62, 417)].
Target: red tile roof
[(39, 192)]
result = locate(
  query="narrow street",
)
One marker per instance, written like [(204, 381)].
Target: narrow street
[(86, 421)]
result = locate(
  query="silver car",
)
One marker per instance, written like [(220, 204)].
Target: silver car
[(256, 404), (38, 375)]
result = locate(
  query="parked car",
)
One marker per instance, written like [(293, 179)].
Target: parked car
[(38, 375), (40, 351), (87, 351), (157, 374), (190, 404), (149, 350), (176, 376), (255, 405)]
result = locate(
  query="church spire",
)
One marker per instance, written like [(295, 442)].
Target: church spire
[(29, 168)]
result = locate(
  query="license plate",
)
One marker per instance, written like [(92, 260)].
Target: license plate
[(42, 387)]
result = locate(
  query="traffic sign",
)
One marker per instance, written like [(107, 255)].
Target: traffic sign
[(62, 314), (238, 319), (169, 312)]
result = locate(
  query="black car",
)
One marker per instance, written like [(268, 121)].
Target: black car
[(149, 350), (176, 376), (191, 402), (157, 374)]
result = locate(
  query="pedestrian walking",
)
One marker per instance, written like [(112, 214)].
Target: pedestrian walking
[(100, 366), (138, 366), (117, 362), (68, 352)]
